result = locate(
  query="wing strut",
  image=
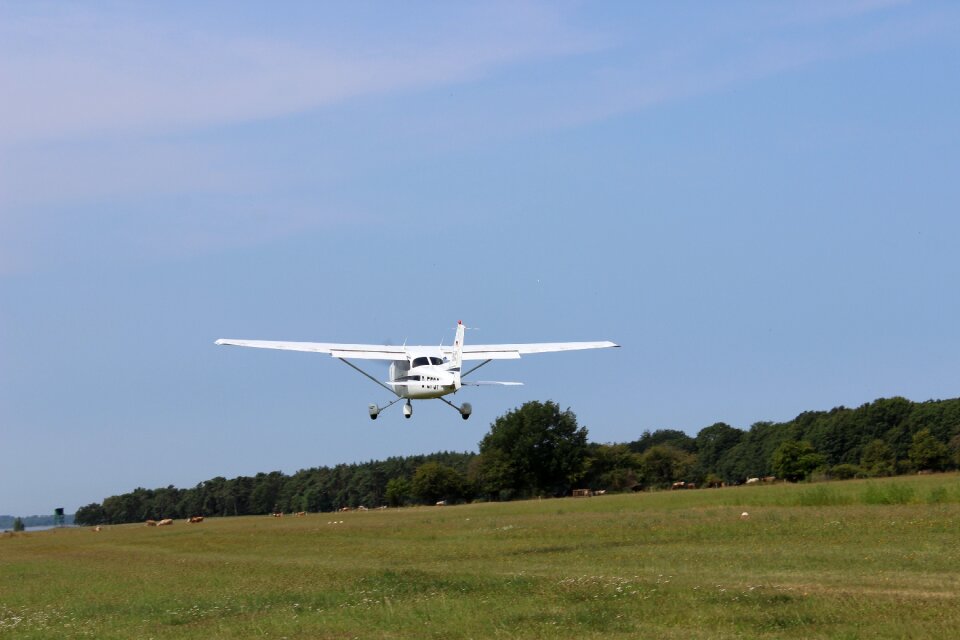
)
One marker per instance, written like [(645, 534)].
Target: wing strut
[(462, 375), (347, 362)]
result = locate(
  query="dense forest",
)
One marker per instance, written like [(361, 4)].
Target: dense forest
[(539, 449)]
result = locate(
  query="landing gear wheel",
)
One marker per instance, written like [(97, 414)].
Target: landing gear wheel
[(407, 410)]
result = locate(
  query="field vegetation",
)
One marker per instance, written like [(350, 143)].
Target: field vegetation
[(863, 558), (541, 450)]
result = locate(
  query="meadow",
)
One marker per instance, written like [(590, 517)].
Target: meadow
[(854, 559)]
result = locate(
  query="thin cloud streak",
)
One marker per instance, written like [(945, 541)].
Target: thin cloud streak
[(129, 86), (83, 77)]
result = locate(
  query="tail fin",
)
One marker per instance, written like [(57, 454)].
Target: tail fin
[(458, 346)]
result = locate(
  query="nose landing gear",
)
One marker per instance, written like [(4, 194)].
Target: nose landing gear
[(407, 410)]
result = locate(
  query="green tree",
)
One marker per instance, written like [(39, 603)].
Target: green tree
[(433, 482), (397, 491), (90, 515), (713, 443), (927, 452), (266, 492), (492, 474), (672, 437), (18, 524), (663, 464), (794, 460), (878, 459), (612, 467), (535, 449), (954, 447)]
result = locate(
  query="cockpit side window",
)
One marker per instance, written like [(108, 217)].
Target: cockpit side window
[(418, 362), (436, 361)]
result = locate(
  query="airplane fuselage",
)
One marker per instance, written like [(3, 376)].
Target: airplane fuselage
[(423, 376)]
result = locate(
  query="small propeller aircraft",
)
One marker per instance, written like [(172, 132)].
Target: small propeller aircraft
[(421, 372)]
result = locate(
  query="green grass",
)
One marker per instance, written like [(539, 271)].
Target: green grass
[(856, 559)]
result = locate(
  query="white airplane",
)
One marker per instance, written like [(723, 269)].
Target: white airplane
[(420, 372)]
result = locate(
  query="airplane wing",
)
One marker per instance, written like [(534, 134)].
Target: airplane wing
[(337, 350), (392, 352), (514, 351)]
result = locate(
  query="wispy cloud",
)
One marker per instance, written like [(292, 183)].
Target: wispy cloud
[(101, 113), (128, 111), (70, 74)]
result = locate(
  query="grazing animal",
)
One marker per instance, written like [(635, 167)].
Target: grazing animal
[(744, 516), (753, 480), (151, 523), (300, 514), (165, 522), (441, 503), (194, 519), (277, 514), (97, 528)]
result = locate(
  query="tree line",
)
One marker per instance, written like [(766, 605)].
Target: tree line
[(541, 450)]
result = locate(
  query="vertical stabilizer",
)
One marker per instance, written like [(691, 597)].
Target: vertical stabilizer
[(458, 347)]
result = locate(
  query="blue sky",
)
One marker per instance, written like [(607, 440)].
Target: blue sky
[(759, 201)]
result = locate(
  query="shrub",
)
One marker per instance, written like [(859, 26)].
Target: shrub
[(887, 494), (819, 496), (938, 495), (844, 472)]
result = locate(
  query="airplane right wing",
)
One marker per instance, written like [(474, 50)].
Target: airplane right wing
[(335, 349)]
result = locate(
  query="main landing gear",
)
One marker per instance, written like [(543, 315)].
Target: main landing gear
[(375, 410), (464, 410)]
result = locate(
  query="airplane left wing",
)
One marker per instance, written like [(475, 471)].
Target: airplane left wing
[(514, 351), (336, 350)]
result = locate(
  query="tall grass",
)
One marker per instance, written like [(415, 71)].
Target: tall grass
[(856, 559)]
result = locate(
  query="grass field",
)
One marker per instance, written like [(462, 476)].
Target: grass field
[(857, 559)]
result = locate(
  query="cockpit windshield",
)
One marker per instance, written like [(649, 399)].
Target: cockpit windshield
[(427, 360)]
